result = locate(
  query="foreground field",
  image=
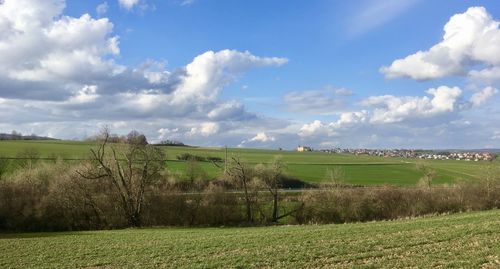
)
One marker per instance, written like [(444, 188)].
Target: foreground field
[(469, 240), (307, 166)]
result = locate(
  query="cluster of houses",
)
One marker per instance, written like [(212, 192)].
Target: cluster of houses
[(460, 156), (411, 153)]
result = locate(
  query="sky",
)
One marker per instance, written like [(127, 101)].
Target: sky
[(259, 74)]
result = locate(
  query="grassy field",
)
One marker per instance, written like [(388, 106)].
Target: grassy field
[(468, 240), (307, 166)]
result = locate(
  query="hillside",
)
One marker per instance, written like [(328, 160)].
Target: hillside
[(468, 240), (306, 166)]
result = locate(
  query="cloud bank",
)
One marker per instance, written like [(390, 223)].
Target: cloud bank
[(62, 69)]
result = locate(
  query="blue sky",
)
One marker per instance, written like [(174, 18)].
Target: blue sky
[(263, 73)]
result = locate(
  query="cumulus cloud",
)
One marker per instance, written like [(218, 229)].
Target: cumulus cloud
[(487, 75), (231, 110), (262, 137), (316, 128), (166, 133), (211, 71), (349, 118), (389, 108), (86, 95), (259, 139), (408, 121), (345, 120), (470, 37), (47, 55), (481, 97), (205, 129), (61, 70)]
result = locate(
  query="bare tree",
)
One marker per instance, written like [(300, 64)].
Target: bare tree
[(241, 172), (271, 176), (139, 166)]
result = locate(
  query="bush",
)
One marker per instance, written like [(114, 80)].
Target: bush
[(340, 205), (190, 157), (53, 197)]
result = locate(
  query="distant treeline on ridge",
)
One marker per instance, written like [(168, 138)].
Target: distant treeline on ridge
[(18, 136)]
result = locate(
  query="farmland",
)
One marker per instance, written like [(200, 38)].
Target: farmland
[(467, 240), (306, 166)]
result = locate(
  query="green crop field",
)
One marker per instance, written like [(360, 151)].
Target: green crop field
[(306, 166), (467, 240)]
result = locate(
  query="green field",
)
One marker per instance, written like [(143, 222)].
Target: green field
[(307, 166), (467, 240)]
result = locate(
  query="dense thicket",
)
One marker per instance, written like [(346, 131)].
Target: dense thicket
[(54, 196)]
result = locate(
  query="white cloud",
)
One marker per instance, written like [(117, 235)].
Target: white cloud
[(49, 55), (316, 128), (469, 37), (348, 118), (205, 129), (102, 9), (166, 133), (311, 128), (487, 75), (481, 97), (389, 108), (407, 121), (61, 70), (128, 4), (345, 120), (86, 95), (263, 137), (232, 110), (259, 139), (209, 72)]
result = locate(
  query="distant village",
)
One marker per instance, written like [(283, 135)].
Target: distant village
[(410, 153)]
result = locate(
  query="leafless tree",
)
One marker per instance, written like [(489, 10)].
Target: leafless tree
[(241, 172), (271, 176), (139, 166)]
